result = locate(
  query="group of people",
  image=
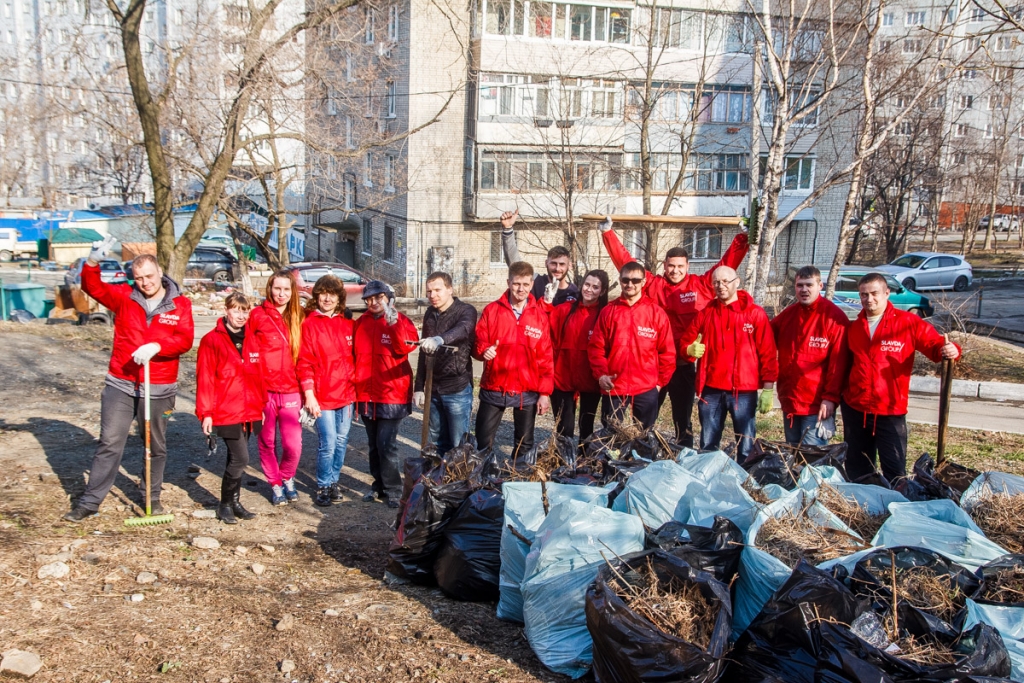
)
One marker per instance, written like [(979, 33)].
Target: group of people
[(545, 344)]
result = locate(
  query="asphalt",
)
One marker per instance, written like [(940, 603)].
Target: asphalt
[(992, 307)]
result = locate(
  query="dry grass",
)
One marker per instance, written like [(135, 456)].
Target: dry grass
[(926, 651), (676, 607), (755, 491), (851, 512), (930, 592), (1006, 586), (1001, 517), (984, 360), (795, 537)]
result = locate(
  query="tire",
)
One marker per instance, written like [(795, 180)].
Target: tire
[(916, 311), (911, 284), (960, 284), (222, 276), (6, 256)]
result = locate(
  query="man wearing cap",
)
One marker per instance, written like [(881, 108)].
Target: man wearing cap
[(383, 379)]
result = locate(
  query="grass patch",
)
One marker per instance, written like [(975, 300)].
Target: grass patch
[(984, 360)]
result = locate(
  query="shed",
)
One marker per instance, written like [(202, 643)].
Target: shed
[(69, 244)]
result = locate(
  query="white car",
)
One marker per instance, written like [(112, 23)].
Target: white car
[(923, 270), (1003, 223)]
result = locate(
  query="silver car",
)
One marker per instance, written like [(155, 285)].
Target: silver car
[(922, 270)]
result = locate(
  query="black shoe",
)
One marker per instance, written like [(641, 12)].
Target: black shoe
[(323, 497), (240, 512), (368, 497), (155, 508), (226, 514), (336, 496), (391, 503), (78, 514)]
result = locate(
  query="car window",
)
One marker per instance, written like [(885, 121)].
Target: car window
[(909, 261), (930, 264), (311, 275), (5, 235), (109, 265), (894, 285), (846, 284), (948, 262), (347, 276)]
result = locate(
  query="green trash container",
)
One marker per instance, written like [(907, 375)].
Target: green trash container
[(28, 296)]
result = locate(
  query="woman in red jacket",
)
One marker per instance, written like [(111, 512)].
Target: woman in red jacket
[(571, 326), (229, 397), (276, 326), (326, 367)]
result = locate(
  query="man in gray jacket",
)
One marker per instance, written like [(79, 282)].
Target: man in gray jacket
[(555, 287)]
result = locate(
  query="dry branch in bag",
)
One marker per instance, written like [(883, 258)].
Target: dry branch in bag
[(1001, 518), (795, 537), (852, 513), (1006, 585)]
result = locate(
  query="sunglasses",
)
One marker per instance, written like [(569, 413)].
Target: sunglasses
[(631, 280)]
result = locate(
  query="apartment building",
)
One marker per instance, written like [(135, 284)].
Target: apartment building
[(537, 106)]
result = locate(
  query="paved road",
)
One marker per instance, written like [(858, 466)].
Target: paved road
[(991, 416)]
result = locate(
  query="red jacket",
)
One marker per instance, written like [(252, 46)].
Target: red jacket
[(327, 359), (879, 367), (268, 328), (811, 360), (635, 344), (170, 325), (383, 373), (229, 385), (524, 361), (684, 300), (570, 336), (740, 353)]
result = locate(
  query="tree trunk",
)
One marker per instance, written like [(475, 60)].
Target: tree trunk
[(843, 249)]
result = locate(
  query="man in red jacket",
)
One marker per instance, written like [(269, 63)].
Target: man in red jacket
[(152, 324), (682, 296), (733, 341), (879, 349), (631, 351), (513, 341), (809, 336)]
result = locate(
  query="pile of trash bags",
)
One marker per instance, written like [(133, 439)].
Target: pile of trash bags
[(644, 561)]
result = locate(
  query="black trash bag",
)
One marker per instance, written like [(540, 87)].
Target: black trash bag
[(598, 446), (933, 488), (420, 528), (874, 478), (628, 648), (833, 455), (956, 476), (582, 477), (768, 464), (714, 549), (988, 576), (20, 315), (468, 563), (427, 463)]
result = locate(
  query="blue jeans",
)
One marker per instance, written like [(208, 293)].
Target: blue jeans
[(741, 407), (449, 418), (332, 429), (804, 430)]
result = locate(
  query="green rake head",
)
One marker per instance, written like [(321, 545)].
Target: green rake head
[(149, 520)]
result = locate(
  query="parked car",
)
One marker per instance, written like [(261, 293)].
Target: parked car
[(847, 297), (212, 263), (355, 282), (1004, 222), (922, 270), (11, 247), (111, 272)]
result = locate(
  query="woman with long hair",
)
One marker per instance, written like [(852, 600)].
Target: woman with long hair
[(326, 366), (571, 325), (229, 397), (276, 325)]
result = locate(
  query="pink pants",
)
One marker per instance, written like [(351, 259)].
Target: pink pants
[(281, 411)]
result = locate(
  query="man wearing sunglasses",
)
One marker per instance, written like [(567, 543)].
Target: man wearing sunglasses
[(631, 351), (733, 341), (682, 295)]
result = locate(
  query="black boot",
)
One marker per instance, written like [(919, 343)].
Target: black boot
[(240, 511), (228, 490)]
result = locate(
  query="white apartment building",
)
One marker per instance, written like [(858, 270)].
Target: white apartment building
[(542, 117)]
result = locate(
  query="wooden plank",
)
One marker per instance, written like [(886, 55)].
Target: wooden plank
[(678, 220)]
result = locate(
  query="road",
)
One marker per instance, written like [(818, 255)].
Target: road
[(989, 416)]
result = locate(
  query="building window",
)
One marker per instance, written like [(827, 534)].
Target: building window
[(332, 101), (960, 130), (348, 132), (349, 194), (998, 101), (799, 174), (977, 15), (497, 255), (1004, 43), (393, 23), (523, 172), (915, 19), (348, 67), (368, 236), (389, 242), (389, 173), (678, 28), (950, 15), (392, 100), (568, 22), (368, 18), (707, 244), (368, 170), (905, 128), (887, 19), (969, 74), (967, 101), (988, 130), (548, 97), (911, 46)]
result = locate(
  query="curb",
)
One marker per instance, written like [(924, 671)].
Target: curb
[(990, 391)]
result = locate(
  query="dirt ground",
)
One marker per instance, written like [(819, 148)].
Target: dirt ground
[(208, 617)]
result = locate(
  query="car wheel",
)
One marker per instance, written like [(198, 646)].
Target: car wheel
[(910, 283), (917, 311), (6, 255), (222, 276), (960, 284)]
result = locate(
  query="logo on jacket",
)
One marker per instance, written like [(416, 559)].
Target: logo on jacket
[(168, 319), (254, 356), (817, 342), (892, 346), (646, 332), (748, 328), (385, 338), (687, 297), (532, 332)]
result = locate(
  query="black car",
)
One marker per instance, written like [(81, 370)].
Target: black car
[(210, 263)]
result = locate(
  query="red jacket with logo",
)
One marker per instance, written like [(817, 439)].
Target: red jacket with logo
[(740, 353), (327, 359), (170, 325), (633, 343), (811, 361), (273, 339), (879, 367), (524, 361), (684, 300), (229, 385), (570, 336), (383, 373)]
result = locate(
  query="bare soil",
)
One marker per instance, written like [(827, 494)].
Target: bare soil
[(208, 617)]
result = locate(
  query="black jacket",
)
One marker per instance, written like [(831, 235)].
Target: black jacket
[(453, 370)]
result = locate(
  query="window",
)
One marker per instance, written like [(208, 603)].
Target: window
[(393, 23), (988, 130), (960, 158), (348, 67), (557, 21), (914, 19), (368, 170), (546, 97), (998, 101), (950, 15), (348, 132), (368, 17), (497, 255), (332, 101), (799, 174), (960, 130), (678, 28), (707, 244), (801, 103), (912, 45), (967, 101), (538, 172), (349, 194), (977, 15), (974, 43), (1004, 43), (1001, 73), (368, 236), (969, 74), (389, 173), (905, 128), (391, 100), (389, 242), (887, 19)]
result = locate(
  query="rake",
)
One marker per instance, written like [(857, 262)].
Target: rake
[(150, 519)]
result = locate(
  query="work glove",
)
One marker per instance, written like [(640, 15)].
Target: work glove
[(144, 353), (827, 428), (431, 344), (306, 418), (550, 289), (764, 401), (101, 248), (696, 349), (606, 224), (390, 313), (419, 398)]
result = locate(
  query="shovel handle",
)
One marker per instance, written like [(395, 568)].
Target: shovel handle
[(945, 392), (428, 388)]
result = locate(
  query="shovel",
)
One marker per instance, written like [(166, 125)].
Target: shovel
[(150, 519), (428, 388), (945, 391)]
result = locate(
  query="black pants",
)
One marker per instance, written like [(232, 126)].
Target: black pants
[(868, 434), (645, 408), (681, 389), (488, 417), (563, 407), (382, 438), (236, 440)]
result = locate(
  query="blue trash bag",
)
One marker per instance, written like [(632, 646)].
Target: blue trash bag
[(712, 465), (991, 483), (875, 500), (812, 477), (569, 548), (942, 510), (724, 497), (524, 512), (956, 542), (658, 494), (1008, 621)]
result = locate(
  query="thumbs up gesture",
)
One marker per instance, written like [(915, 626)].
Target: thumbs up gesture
[(491, 352), (696, 349), (949, 349)]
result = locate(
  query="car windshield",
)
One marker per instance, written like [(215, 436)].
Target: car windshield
[(909, 261)]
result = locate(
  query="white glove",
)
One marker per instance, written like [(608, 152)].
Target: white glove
[(550, 290), (101, 248), (144, 353), (306, 418), (606, 224), (827, 428), (390, 314), (430, 344), (419, 398)]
